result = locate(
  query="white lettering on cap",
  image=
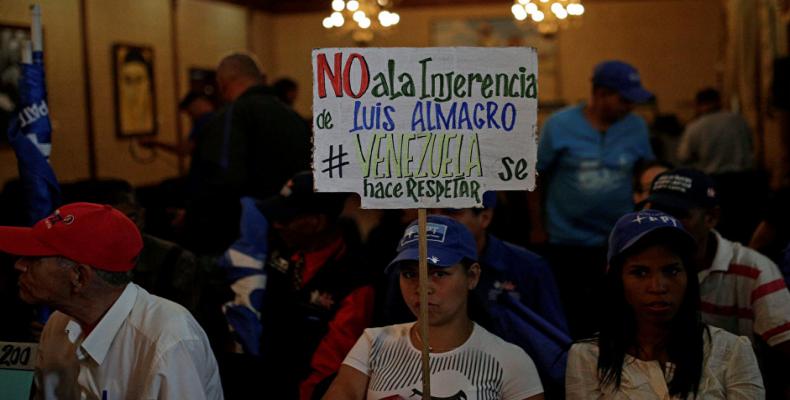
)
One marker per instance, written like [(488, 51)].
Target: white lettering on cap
[(675, 183), (665, 219), (434, 232)]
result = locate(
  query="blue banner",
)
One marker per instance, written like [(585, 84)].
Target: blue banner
[(30, 134), (546, 344), (34, 112), (244, 264)]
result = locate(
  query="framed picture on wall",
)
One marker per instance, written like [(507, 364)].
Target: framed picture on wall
[(504, 31), (12, 38), (135, 95)]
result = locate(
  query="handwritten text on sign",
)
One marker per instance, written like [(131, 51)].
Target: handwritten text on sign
[(17, 355), (424, 127)]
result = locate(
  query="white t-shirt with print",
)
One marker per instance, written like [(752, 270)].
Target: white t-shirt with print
[(484, 367)]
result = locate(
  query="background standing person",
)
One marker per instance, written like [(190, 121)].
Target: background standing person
[(109, 338), (586, 156), (200, 110), (742, 291), (719, 143), (652, 344), (166, 201), (467, 362), (286, 90), (253, 146)]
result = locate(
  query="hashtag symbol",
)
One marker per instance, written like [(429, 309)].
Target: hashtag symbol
[(335, 162)]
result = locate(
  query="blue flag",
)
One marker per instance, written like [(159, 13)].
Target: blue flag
[(546, 344), (30, 134), (243, 263)]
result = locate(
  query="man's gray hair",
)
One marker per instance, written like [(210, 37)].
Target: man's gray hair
[(114, 278), (110, 278)]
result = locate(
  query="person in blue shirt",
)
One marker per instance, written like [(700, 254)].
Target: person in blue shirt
[(200, 109), (508, 268), (586, 156)]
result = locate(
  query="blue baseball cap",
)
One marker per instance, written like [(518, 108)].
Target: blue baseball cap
[(623, 78), (449, 242), (631, 228)]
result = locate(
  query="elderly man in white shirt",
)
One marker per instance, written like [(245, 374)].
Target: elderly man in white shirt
[(109, 338)]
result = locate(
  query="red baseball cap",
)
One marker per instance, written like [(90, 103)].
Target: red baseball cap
[(93, 234)]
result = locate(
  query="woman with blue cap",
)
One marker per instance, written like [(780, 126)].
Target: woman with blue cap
[(652, 343), (467, 362)]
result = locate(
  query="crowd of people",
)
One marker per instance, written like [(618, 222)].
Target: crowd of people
[(643, 279)]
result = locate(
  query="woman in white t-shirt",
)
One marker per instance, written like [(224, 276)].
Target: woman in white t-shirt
[(467, 362), (652, 343)]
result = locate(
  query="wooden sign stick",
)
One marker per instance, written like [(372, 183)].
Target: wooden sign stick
[(423, 248)]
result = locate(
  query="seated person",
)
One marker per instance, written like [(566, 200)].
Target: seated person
[(163, 268), (469, 362), (652, 343), (515, 282), (644, 173), (108, 337), (741, 290), (314, 295)]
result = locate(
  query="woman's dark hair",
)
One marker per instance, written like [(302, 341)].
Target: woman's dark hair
[(475, 306), (618, 324)]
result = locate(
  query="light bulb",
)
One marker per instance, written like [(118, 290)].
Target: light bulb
[(359, 15), (561, 14), (365, 23), (327, 22), (338, 5), (557, 8), (575, 9), (394, 18), (538, 16), (352, 5), (519, 12), (337, 19), (531, 8), (523, 2), (384, 18)]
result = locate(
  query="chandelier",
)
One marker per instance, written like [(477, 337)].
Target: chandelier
[(361, 18), (548, 15)]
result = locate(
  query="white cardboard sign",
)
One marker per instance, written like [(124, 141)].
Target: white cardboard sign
[(424, 127)]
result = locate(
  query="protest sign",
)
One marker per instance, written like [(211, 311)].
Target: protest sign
[(424, 127)]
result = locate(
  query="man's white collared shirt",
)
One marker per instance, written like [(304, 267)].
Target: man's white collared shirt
[(145, 347)]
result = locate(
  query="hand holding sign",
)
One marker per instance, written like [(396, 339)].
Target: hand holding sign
[(430, 127)]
